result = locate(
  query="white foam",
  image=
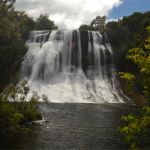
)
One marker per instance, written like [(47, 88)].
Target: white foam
[(52, 72)]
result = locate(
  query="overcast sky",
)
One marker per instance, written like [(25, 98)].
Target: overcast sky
[(70, 14)]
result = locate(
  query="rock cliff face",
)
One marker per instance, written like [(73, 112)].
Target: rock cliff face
[(89, 58), (84, 45)]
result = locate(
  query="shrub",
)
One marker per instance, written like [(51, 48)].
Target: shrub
[(16, 110), (138, 126)]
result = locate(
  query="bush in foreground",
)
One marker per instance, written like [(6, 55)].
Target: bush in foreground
[(15, 110), (138, 126)]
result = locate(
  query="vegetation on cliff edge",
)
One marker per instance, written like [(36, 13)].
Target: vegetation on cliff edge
[(138, 126)]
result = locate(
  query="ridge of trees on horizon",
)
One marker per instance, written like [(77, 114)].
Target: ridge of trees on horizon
[(96, 24)]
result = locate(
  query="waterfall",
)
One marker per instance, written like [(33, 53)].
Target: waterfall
[(71, 66)]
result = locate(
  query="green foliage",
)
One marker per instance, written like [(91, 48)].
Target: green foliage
[(9, 117), (138, 126), (128, 33), (85, 27), (44, 23), (14, 30), (141, 57), (97, 24), (12, 47), (14, 108), (23, 21), (7, 3), (45, 98), (129, 80)]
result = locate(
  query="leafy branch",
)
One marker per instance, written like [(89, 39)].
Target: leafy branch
[(137, 126)]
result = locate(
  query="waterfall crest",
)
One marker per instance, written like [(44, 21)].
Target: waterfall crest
[(70, 67)]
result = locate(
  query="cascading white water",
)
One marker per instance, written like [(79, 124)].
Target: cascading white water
[(53, 66)]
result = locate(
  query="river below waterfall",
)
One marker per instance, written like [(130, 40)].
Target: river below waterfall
[(77, 126)]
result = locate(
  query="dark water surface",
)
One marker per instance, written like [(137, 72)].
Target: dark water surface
[(77, 127)]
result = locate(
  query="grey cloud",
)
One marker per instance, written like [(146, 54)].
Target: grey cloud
[(25, 5)]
